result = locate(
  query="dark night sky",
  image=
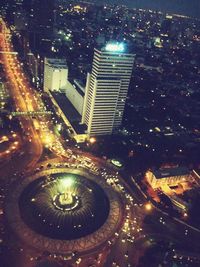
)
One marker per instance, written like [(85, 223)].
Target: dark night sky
[(186, 7)]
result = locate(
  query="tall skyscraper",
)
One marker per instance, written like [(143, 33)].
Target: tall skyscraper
[(42, 14), (106, 89)]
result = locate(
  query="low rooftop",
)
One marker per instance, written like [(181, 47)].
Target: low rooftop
[(169, 172), (70, 112)]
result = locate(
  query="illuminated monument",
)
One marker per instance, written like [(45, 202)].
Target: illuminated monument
[(106, 89)]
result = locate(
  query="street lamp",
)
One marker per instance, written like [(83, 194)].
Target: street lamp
[(148, 206), (92, 140)]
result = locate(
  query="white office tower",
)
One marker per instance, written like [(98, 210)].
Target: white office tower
[(106, 89), (55, 74)]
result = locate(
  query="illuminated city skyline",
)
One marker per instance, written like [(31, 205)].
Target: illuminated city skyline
[(100, 134)]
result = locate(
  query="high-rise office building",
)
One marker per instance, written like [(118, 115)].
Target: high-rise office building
[(42, 14), (41, 17), (106, 89)]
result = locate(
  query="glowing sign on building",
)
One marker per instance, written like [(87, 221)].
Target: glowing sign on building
[(115, 47)]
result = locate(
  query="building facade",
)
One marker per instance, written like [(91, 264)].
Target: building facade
[(75, 95), (106, 89), (168, 176), (55, 74)]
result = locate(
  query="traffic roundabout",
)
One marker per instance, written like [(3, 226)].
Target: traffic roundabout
[(64, 210)]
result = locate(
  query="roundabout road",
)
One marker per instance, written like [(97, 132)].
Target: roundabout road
[(82, 245)]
